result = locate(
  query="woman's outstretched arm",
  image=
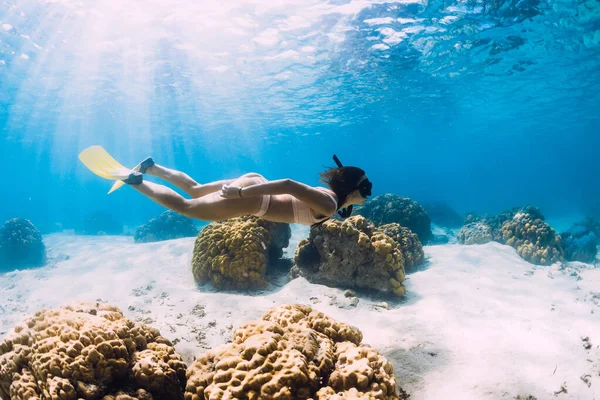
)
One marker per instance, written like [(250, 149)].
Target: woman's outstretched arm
[(316, 199)]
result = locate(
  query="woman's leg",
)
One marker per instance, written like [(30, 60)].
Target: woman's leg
[(185, 182), (208, 208), (164, 196)]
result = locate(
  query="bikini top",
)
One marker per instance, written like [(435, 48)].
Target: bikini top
[(304, 215)]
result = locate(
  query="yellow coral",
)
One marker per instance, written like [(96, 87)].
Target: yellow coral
[(85, 351), (534, 240), (290, 354), (353, 254), (234, 254), (286, 315), (362, 370), (410, 245)]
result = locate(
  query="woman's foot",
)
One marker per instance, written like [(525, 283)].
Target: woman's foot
[(147, 163), (134, 178)]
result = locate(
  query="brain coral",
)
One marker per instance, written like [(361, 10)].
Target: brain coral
[(534, 239), (168, 225), (475, 233), (401, 210), (494, 223), (411, 247), (294, 352), (21, 244), (88, 351), (522, 228), (352, 254), (234, 254)]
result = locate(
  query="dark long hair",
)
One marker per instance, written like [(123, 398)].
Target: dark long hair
[(342, 181)]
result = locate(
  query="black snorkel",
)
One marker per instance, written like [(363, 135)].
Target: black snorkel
[(344, 212)]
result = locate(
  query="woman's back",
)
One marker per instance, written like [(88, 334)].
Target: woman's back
[(286, 208)]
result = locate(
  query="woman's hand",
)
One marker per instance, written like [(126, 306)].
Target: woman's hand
[(230, 192)]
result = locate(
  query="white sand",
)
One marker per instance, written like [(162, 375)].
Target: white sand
[(478, 322)]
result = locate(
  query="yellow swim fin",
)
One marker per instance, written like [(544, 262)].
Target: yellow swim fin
[(97, 160)]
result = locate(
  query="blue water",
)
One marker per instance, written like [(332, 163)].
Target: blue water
[(485, 105)]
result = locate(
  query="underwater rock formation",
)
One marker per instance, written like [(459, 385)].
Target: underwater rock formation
[(580, 243), (410, 246), (99, 223), (534, 240), (88, 351), (522, 228), (91, 351), (352, 254), (390, 208), (21, 245), (168, 225), (475, 233), (294, 352), (235, 254), (495, 222), (441, 214)]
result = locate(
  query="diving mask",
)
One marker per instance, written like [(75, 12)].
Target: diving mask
[(364, 188)]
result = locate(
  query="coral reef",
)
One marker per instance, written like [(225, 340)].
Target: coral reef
[(390, 208), (235, 254), (91, 351), (88, 351), (352, 254), (21, 245), (475, 233), (168, 225), (580, 243), (495, 222), (99, 223), (522, 228), (441, 214), (533, 238), (410, 246), (294, 352)]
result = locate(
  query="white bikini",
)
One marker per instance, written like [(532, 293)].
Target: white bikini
[(266, 200)]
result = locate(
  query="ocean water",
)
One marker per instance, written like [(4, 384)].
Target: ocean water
[(484, 105)]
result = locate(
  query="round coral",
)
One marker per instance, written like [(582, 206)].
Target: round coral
[(168, 225), (294, 352), (410, 245), (390, 208), (351, 254), (234, 254), (522, 228), (87, 351), (21, 245), (534, 240), (475, 233)]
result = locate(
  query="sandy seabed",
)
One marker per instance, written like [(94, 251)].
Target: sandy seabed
[(478, 322)]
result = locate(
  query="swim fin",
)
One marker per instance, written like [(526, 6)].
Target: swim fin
[(97, 160)]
